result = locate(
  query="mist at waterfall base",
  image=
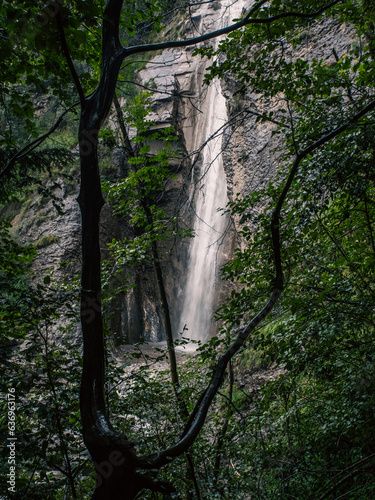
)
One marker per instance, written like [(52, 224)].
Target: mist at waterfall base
[(209, 188)]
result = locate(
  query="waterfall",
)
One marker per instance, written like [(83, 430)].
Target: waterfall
[(209, 223), (209, 187)]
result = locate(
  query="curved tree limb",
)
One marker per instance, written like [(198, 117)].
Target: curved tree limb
[(247, 20), (200, 412)]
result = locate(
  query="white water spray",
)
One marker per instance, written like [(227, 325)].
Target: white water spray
[(209, 225), (204, 258)]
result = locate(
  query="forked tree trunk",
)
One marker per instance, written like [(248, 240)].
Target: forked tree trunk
[(110, 451)]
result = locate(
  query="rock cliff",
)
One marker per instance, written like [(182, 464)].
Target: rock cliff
[(250, 155)]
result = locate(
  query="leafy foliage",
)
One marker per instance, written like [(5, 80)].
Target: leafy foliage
[(139, 196), (316, 418), (309, 433), (42, 367)]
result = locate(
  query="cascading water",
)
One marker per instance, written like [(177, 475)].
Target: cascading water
[(209, 226)]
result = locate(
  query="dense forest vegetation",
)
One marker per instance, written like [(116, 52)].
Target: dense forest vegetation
[(303, 295)]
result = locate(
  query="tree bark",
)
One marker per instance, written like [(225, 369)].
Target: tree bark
[(111, 452)]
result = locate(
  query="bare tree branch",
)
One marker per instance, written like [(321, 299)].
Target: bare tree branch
[(68, 58)]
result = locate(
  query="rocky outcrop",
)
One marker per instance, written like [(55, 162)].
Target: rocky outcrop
[(252, 153), (55, 236)]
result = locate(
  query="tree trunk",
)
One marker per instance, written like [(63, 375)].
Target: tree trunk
[(110, 451)]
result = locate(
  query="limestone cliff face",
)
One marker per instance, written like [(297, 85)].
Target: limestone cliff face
[(250, 157), (56, 237), (252, 154)]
